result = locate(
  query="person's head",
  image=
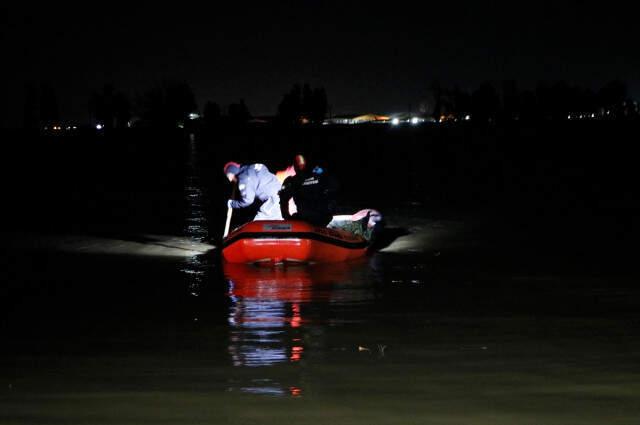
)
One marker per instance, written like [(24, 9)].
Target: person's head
[(375, 218), (231, 170), (299, 163)]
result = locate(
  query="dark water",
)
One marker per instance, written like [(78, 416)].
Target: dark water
[(467, 318)]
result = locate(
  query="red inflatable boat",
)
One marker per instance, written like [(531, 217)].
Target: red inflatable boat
[(290, 241)]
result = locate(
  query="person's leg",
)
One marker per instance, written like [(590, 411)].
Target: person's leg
[(315, 218)]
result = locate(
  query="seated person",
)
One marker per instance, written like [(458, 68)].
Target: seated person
[(365, 223), (313, 192)]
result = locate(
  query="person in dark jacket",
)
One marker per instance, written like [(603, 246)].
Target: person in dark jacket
[(255, 181), (312, 191)]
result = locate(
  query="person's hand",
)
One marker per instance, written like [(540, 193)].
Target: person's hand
[(229, 203)]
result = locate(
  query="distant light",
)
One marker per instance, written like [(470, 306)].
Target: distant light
[(467, 117), (395, 121), (99, 127), (593, 115), (415, 120), (74, 127), (193, 116), (568, 117)]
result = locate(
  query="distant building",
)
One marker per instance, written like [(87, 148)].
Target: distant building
[(356, 119), (260, 120), (407, 118)]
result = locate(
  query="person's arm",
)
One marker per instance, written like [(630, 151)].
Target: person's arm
[(247, 193), (285, 195), (333, 186), (330, 191)]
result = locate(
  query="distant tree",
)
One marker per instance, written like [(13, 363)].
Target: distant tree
[(427, 105), (122, 110), (307, 101), (49, 112), (319, 105), (612, 97), (290, 106), (301, 104), (153, 109), (239, 113), (110, 108), (434, 97), (559, 100), (446, 102), (510, 107), (485, 103), (211, 114), (528, 106), (101, 106), (167, 104), (544, 100), (587, 99), (30, 121), (461, 101)]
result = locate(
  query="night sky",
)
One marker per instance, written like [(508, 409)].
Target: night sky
[(369, 56)]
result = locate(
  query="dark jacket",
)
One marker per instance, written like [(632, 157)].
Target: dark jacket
[(314, 195)]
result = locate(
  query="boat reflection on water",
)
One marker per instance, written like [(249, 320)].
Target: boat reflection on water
[(277, 314)]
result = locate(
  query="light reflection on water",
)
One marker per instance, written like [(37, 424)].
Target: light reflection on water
[(196, 225), (274, 312)]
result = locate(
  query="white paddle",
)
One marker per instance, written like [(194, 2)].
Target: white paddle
[(229, 212)]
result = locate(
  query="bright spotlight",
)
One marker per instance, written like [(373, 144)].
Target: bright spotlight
[(99, 127), (395, 121), (415, 120)]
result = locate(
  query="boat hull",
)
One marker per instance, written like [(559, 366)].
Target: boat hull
[(290, 241)]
